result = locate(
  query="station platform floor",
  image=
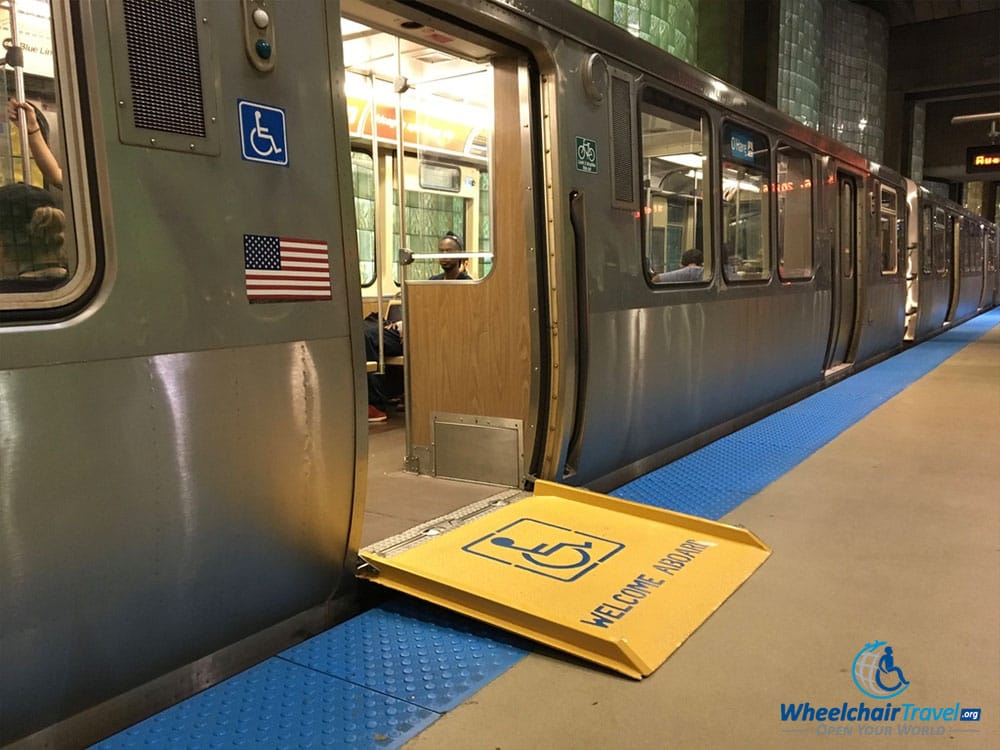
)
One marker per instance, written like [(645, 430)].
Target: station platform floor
[(880, 498)]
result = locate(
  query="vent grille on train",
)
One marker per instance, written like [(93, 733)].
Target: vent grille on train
[(164, 66), (621, 139)]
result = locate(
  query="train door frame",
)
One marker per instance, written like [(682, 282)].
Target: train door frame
[(846, 290), (473, 386)]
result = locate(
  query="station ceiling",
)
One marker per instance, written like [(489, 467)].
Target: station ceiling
[(901, 12)]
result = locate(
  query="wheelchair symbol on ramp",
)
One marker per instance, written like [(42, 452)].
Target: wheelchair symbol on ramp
[(544, 548), (262, 133)]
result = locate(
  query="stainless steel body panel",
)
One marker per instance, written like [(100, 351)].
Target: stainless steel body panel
[(934, 293), (660, 375), (157, 509), (970, 292)]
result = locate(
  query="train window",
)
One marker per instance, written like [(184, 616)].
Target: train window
[(793, 196), (40, 265), (674, 152), (926, 240), (888, 231), (429, 215), (745, 205), (940, 241), (363, 171)]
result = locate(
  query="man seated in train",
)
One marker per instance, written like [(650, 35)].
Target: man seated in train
[(452, 268), (692, 261)]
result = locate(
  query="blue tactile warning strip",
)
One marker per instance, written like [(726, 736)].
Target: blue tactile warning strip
[(280, 705), (373, 682), (383, 677), (412, 651), (717, 478)]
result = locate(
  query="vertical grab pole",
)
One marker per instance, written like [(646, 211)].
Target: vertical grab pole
[(376, 185), (15, 58), (401, 85)]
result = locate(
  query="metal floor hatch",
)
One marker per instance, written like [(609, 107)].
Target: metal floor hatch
[(611, 581)]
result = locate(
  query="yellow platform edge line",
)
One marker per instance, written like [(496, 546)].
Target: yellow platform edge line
[(695, 523)]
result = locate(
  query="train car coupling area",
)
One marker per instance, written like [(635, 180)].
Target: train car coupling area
[(610, 581)]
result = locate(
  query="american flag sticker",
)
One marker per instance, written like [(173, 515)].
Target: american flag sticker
[(284, 269)]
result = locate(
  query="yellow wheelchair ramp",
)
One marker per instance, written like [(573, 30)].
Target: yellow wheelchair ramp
[(611, 581)]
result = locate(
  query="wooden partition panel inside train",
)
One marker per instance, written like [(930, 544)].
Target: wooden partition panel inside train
[(469, 343)]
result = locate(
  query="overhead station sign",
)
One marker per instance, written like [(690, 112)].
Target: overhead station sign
[(618, 583), (982, 159)]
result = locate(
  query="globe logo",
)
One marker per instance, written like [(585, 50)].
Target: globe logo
[(875, 672)]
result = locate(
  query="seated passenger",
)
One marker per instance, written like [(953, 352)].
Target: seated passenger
[(392, 346), (32, 234), (451, 268), (691, 268)]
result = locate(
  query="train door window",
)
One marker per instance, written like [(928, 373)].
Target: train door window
[(429, 214), (746, 167), (485, 243), (926, 239), (41, 265), (793, 196), (847, 238), (888, 231), (953, 242), (363, 172), (674, 152), (992, 250), (940, 241)]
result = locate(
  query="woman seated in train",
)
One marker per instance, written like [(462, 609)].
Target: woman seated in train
[(32, 235), (692, 262)]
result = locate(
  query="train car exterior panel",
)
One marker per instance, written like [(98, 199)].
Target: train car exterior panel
[(660, 375), (165, 521)]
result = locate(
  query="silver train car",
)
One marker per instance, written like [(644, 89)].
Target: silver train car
[(237, 185)]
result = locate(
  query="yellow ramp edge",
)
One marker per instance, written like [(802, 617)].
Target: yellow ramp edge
[(611, 581)]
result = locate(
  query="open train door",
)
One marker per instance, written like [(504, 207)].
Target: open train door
[(456, 107)]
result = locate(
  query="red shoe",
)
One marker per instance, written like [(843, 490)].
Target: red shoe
[(376, 415)]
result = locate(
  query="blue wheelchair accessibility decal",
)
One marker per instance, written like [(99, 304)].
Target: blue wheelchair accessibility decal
[(262, 133), (545, 549)]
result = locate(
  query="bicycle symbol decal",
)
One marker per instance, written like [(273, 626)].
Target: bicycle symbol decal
[(262, 133), (545, 549), (586, 155)]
